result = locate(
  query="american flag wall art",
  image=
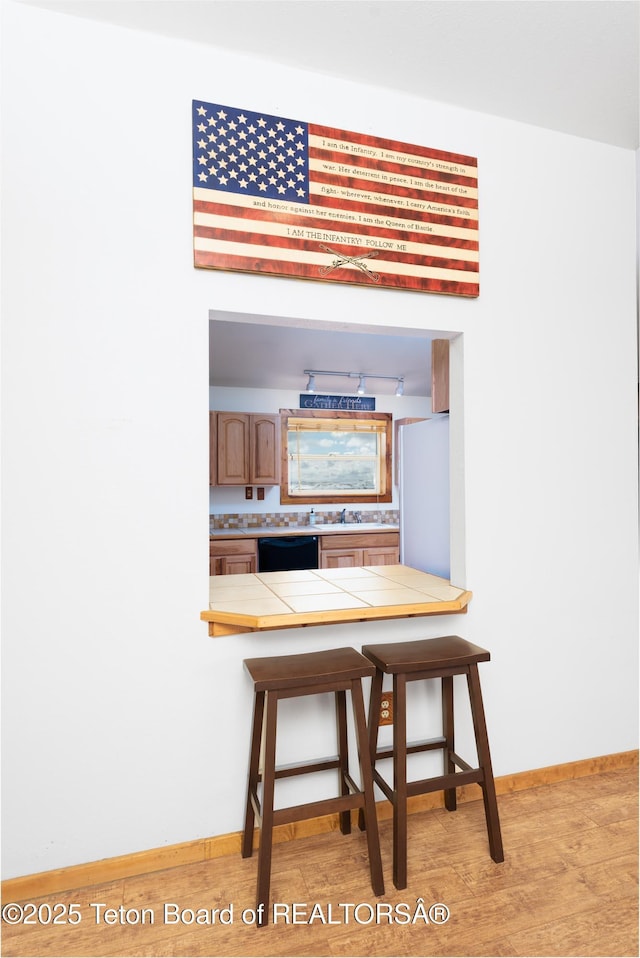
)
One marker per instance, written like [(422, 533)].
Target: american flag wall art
[(289, 198)]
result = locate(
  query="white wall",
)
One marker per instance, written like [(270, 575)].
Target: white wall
[(110, 737)]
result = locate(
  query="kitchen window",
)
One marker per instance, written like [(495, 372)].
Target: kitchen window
[(335, 456)]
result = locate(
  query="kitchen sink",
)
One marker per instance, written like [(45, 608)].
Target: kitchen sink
[(363, 525)]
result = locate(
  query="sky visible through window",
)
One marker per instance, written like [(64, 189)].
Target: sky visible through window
[(324, 461)]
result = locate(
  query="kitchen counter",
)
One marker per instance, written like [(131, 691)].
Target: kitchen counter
[(256, 602), (321, 529)]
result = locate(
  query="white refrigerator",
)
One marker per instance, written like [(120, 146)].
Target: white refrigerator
[(424, 496)]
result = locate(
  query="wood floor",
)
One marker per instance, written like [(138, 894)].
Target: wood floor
[(568, 886)]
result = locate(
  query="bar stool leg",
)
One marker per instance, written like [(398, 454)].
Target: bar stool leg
[(366, 776), (400, 781), (484, 760), (341, 725), (449, 735), (268, 789), (252, 785), (375, 698)]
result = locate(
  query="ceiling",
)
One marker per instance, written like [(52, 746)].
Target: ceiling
[(256, 354), (568, 65), (565, 65)]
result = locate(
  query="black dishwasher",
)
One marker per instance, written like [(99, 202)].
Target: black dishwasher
[(283, 553)]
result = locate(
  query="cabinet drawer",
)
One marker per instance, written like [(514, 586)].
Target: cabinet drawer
[(232, 547), (363, 540)]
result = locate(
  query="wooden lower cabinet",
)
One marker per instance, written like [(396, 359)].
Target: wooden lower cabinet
[(380, 548), (234, 565), (383, 555), (237, 556), (232, 556), (340, 558)]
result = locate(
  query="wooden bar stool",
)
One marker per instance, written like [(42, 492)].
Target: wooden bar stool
[(440, 658), (288, 676)]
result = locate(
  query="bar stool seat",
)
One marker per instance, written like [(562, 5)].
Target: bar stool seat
[(442, 658), (288, 676)]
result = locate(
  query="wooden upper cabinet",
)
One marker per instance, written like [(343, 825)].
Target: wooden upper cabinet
[(440, 375), (233, 449), (247, 449), (265, 449)]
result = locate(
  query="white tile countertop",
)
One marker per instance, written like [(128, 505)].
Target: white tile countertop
[(255, 602)]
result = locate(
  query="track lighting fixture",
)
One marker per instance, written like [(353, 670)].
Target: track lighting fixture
[(361, 377)]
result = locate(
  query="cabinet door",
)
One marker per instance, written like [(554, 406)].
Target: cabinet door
[(265, 449), (383, 555), (213, 449), (237, 565), (233, 449), (340, 558)]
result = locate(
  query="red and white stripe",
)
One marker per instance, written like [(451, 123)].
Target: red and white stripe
[(380, 213)]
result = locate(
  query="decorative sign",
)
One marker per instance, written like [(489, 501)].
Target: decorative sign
[(352, 403), (290, 198)]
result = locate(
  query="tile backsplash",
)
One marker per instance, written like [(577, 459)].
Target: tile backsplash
[(281, 520)]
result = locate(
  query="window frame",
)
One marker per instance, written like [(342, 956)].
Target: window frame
[(318, 498)]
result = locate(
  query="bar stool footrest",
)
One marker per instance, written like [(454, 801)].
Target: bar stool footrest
[(427, 745), (460, 762), (305, 768), (324, 806), (434, 784), (442, 782), (340, 803)]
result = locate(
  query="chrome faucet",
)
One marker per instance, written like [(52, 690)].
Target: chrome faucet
[(342, 516)]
